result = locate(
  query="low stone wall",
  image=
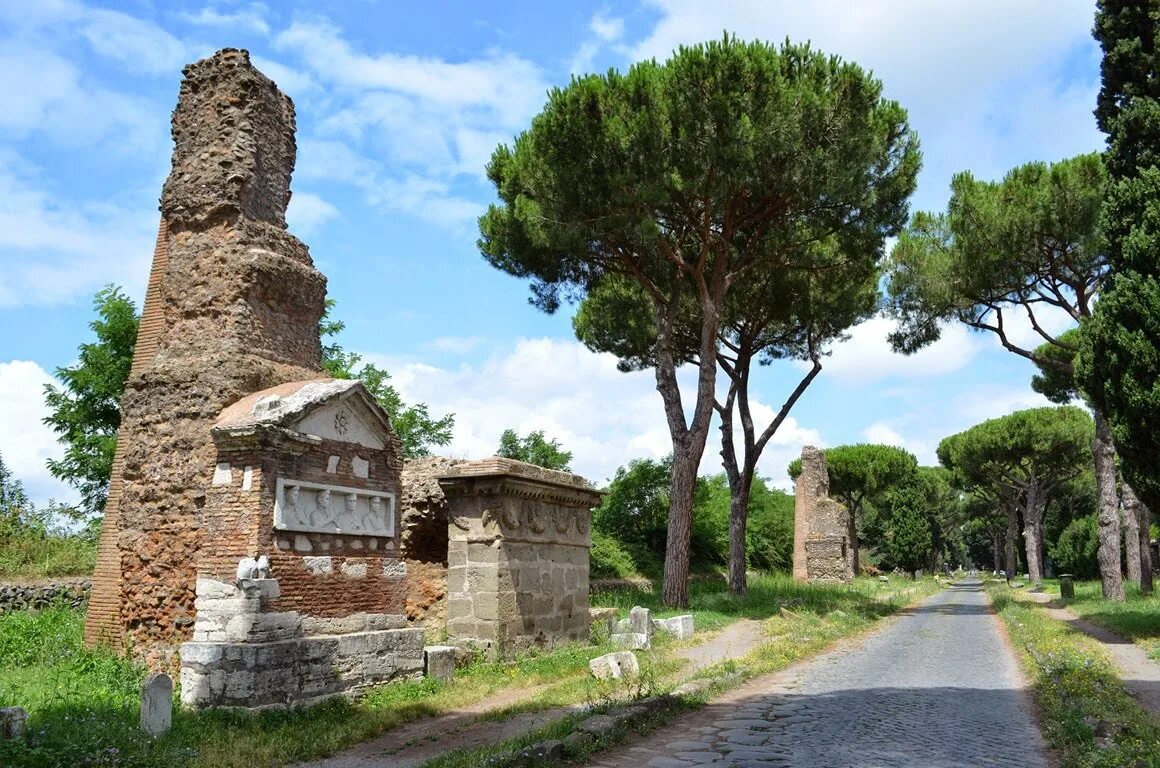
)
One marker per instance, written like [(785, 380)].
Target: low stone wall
[(19, 597), (244, 655)]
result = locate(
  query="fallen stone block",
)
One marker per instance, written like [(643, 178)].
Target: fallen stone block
[(603, 619), (636, 641), (638, 619), (680, 627), (614, 666), (598, 725), (439, 661)]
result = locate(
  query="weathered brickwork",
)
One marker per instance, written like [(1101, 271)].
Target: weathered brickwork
[(232, 308), (517, 555), (821, 541)]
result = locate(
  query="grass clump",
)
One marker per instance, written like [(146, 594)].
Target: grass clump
[(33, 555), (1088, 715), (1136, 619)]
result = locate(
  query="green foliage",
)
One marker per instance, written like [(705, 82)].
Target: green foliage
[(86, 408), (1056, 364), (864, 471), (635, 510), (768, 537), (534, 448), (31, 544), (908, 542), (1119, 361), (1017, 246), (412, 423), (608, 560), (1075, 550), (999, 455)]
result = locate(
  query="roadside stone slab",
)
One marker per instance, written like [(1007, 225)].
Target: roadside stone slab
[(614, 666)]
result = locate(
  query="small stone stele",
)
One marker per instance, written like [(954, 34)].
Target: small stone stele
[(157, 704), (13, 723), (439, 661), (680, 627), (614, 666)]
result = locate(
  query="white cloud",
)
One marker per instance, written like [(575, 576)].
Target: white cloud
[(25, 442), (308, 212), (605, 32), (882, 433), (139, 45), (53, 252), (291, 81), (253, 18), (866, 356)]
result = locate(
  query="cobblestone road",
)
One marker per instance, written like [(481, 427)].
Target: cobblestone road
[(938, 687)]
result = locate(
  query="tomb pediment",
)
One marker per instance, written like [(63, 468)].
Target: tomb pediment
[(341, 410)]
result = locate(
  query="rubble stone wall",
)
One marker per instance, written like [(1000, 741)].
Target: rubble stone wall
[(821, 541)]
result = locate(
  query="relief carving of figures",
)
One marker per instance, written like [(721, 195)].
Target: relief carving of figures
[(582, 521), (373, 520), (294, 514), (322, 516), (350, 516)]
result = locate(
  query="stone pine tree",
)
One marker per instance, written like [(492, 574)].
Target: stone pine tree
[(1018, 250), (794, 314), (1023, 458), (692, 177), (86, 407), (1120, 358), (861, 473), (1058, 383), (534, 448)]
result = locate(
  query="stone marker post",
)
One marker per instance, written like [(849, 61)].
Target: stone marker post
[(157, 704)]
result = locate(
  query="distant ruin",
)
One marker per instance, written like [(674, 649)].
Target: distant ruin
[(254, 535), (821, 542)]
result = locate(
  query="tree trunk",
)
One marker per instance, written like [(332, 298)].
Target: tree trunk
[(853, 534), (1104, 452), (996, 550), (738, 520), (681, 493), (1012, 534), (1033, 529), (1130, 522), (1138, 512), (688, 441)]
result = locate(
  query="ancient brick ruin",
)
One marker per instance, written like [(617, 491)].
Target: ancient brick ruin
[(821, 542), (232, 308), (254, 535), (517, 556)]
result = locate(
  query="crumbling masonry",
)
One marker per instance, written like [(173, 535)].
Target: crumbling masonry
[(821, 541)]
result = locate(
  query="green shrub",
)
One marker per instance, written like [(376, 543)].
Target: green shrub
[(1075, 551), (608, 559), (32, 554)]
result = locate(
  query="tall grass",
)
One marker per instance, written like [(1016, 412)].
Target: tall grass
[(1137, 618), (34, 555)]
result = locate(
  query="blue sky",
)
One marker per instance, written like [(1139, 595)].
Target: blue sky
[(399, 106)]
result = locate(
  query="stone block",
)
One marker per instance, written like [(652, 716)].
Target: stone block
[(639, 621), (614, 666), (636, 641), (13, 723), (157, 704), (439, 661), (576, 743), (319, 565), (680, 627), (354, 569)]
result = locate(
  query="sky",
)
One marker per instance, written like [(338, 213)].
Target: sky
[(399, 106)]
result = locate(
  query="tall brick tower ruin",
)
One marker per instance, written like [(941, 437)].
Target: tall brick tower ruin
[(232, 307)]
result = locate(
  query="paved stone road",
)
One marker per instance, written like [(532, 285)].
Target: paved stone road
[(937, 688)]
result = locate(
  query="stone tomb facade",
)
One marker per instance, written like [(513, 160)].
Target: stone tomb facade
[(518, 541), (301, 587), (821, 525)]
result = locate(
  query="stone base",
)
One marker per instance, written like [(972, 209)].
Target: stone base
[(297, 671), (827, 559)]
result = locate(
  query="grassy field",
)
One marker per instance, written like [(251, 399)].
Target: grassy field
[(83, 702), (1088, 716), (1137, 618), (32, 556)]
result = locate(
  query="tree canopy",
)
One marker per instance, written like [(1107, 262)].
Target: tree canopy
[(1021, 459), (86, 407), (534, 448), (1120, 361), (689, 178)]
